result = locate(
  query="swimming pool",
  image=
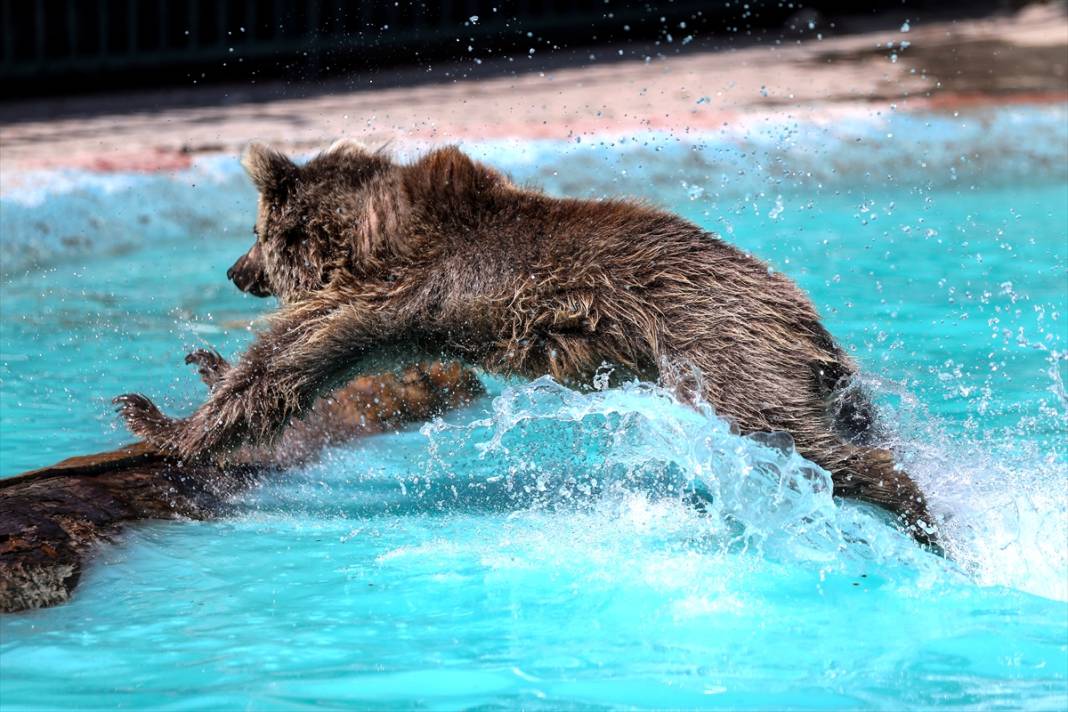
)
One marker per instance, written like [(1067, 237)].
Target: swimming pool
[(541, 548)]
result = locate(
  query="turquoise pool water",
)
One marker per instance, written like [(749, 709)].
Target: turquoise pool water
[(541, 549)]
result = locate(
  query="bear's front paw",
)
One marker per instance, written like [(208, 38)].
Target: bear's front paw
[(145, 420), (211, 366)]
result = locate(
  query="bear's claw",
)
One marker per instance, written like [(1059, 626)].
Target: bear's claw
[(143, 418), (211, 366)]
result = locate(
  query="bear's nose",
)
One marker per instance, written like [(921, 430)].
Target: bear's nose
[(230, 273)]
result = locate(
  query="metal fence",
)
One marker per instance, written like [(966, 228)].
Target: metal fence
[(64, 45), (86, 37)]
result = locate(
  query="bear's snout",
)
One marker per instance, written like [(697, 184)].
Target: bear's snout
[(249, 275)]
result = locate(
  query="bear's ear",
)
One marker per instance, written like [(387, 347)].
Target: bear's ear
[(349, 148), (271, 171), (449, 168)]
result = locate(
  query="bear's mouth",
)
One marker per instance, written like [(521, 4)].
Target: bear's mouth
[(248, 274)]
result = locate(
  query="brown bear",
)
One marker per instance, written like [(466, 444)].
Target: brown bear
[(445, 257)]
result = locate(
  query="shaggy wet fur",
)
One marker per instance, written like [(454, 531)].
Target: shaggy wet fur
[(447, 257)]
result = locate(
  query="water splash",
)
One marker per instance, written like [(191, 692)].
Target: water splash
[(1001, 495), (634, 453)]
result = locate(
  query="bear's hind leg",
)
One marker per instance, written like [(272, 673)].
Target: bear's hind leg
[(871, 475)]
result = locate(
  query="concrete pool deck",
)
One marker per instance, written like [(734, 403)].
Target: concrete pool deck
[(945, 65)]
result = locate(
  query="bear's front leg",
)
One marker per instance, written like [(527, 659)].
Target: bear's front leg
[(145, 420), (308, 349), (204, 433)]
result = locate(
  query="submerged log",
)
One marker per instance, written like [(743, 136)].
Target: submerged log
[(51, 519)]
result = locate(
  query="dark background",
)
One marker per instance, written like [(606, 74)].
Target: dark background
[(66, 47)]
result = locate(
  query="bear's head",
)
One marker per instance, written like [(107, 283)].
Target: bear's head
[(308, 218)]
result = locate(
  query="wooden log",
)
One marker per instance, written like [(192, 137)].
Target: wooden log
[(51, 519)]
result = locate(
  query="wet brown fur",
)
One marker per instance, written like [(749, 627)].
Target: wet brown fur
[(447, 257)]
